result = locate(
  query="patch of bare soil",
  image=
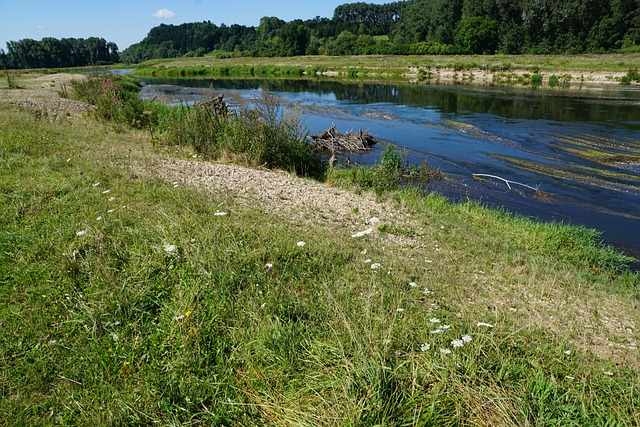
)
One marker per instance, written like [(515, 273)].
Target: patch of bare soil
[(42, 95)]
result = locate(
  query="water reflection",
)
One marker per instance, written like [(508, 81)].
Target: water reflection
[(582, 148)]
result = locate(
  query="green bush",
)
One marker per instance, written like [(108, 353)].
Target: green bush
[(632, 75), (388, 175), (261, 135), (115, 98)]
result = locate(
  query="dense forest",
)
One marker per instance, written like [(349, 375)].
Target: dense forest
[(414, 27), (52, 53), (401, 27)]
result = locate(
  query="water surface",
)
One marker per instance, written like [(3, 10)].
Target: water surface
[(580, 148)]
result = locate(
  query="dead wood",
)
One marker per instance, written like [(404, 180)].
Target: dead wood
[(216, 104), (333, 140)]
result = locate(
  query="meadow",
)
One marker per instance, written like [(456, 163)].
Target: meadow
[(468, 69), (130, 299)]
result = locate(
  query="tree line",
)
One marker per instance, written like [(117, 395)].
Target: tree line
[(56, 53), (414, 27), (401, 27)]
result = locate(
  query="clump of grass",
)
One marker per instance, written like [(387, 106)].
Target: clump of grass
[(632, 76), (115, 98), (262, 134), (387, 175), (11, 80)]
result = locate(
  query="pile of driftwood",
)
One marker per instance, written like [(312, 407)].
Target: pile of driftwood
[(333, 140), (216, 104)]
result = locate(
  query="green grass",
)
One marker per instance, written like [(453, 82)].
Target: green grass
[(125, 300), (386, 67)]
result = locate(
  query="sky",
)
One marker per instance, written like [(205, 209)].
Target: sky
[(126, 22)]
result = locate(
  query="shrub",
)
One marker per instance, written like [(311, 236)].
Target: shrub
[(388, 175), (115, 98), (262, 134), (632, 75)]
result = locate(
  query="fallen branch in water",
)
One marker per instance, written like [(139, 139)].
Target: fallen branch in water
[(334, 140), (506, 181)]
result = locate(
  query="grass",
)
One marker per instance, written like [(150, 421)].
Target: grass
[(125, 300), (577, 67), (582, 63)]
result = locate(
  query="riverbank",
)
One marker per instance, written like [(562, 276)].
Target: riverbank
[(565, 71), (172, 289)]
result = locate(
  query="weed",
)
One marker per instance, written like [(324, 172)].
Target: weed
[(632, 76), (260, 135)]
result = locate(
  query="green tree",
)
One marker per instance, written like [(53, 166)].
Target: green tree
[(477, 35)]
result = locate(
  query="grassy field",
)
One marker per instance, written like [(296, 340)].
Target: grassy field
[(128, 300), (601, 63), (471, 69)]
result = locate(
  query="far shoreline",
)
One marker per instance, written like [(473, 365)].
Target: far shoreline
[(594, 72)]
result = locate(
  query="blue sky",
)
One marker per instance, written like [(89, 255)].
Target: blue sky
[(128, 21)]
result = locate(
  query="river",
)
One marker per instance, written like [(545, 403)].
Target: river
[(580, 148)]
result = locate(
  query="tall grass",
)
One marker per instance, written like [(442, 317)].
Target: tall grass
[(388, 175), (261, 134)]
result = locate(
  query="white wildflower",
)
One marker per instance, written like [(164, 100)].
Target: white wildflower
[(437, 331), (467, 338), (111, 199), (301, 243), (425, 347), (99, 218), (81, 233), (426, 291), (219, 213), (445, 351), (434, 320), (445, 327), (413, 284), (400, 310), (170, 248), (376, 265), (568, 352), (484, 325), (268, 266), (457, 343), (363, 233), (111, 211)]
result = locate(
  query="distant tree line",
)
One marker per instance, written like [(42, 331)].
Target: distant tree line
[(413, 27), (54, 53), (401, 27)]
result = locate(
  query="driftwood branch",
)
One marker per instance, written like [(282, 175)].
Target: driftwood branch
[(506, 181), (333, 140)]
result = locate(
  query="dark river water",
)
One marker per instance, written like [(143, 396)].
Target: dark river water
[(581, 148)]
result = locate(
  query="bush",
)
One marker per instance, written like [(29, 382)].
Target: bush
[(260, 135), (632, 75), (115, 98), (388, 175)]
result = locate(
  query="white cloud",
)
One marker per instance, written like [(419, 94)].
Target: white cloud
[(164, 14)]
